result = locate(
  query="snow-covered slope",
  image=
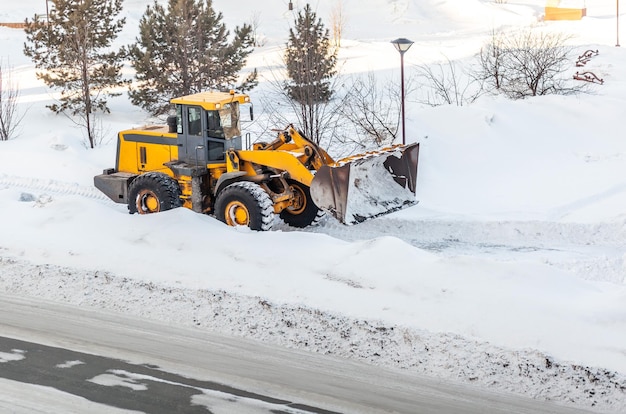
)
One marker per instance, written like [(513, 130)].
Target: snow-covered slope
[(510, 273)]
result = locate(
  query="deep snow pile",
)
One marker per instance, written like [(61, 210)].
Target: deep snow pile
[(510, 273)]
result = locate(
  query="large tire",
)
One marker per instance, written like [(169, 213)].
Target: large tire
[(304, 213), (153, 192), (245, 204)]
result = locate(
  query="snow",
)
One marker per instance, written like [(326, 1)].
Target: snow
[(375, 200), (15, 355), (509, 274), (69, 364), (217, 402), (18, 398), (116, 380)]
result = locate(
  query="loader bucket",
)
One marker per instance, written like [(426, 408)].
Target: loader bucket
[(368, 185)]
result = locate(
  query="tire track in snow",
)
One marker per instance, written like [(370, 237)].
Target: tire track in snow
[(52, 187), (567, 209), (592, 251), (442, 235)]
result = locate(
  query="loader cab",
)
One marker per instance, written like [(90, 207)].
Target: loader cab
[(208, 125)]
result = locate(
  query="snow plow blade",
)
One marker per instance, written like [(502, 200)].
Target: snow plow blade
[(368, 185)]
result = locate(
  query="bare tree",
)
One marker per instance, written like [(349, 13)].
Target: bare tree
[(338, 22), (373, 110), (447, 84), (279, 109), (527, 63), (10, 118), (255, 23)]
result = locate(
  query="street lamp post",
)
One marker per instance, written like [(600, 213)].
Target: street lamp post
[(402, 45), (617, 19)]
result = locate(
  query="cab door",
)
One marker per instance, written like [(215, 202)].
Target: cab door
[(191, 125), (215, 137)]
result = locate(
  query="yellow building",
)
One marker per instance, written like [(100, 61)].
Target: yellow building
[(565, 9)]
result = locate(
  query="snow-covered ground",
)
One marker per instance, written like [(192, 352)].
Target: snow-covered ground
[(18, 399), (510, 273)]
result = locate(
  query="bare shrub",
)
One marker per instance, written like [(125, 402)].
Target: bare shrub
[(373, 110), (10, 117), (447, 84), (527, 63), (362, 114)]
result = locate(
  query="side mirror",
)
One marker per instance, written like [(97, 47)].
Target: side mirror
[(171, 123), (247, 116)]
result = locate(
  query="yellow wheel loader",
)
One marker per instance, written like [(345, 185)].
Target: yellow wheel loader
[(198, 161)]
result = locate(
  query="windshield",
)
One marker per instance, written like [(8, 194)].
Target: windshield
[(229, 120)]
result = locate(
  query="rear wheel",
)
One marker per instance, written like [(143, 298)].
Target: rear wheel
[(303, 212), (245, 204), (153, 192)]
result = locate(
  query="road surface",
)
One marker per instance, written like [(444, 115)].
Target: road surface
[(55, 358)]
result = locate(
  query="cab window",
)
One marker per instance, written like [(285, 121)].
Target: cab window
[(194, 122), (229, 120), (179, 119), (214, 125)]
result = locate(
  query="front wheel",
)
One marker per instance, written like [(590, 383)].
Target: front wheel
[(245, 204), (303, 212), (153, 192)]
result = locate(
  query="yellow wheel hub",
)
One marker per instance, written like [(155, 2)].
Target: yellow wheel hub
[(237, 214), (148, 202), (299, 200), (152, 203)]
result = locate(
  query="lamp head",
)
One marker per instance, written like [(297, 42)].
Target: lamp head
[(402, 44)]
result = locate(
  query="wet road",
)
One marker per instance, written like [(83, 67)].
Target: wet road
[(143, 366)]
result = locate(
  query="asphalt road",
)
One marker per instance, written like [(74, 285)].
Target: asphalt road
[(132, 364)]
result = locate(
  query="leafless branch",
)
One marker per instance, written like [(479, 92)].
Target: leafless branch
[(447, 84), (10, 117), (527, 63), (338, 21), (373, 110)]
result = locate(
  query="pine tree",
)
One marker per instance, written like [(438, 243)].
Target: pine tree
[(73, 53), (310, 61), (184, 50)]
